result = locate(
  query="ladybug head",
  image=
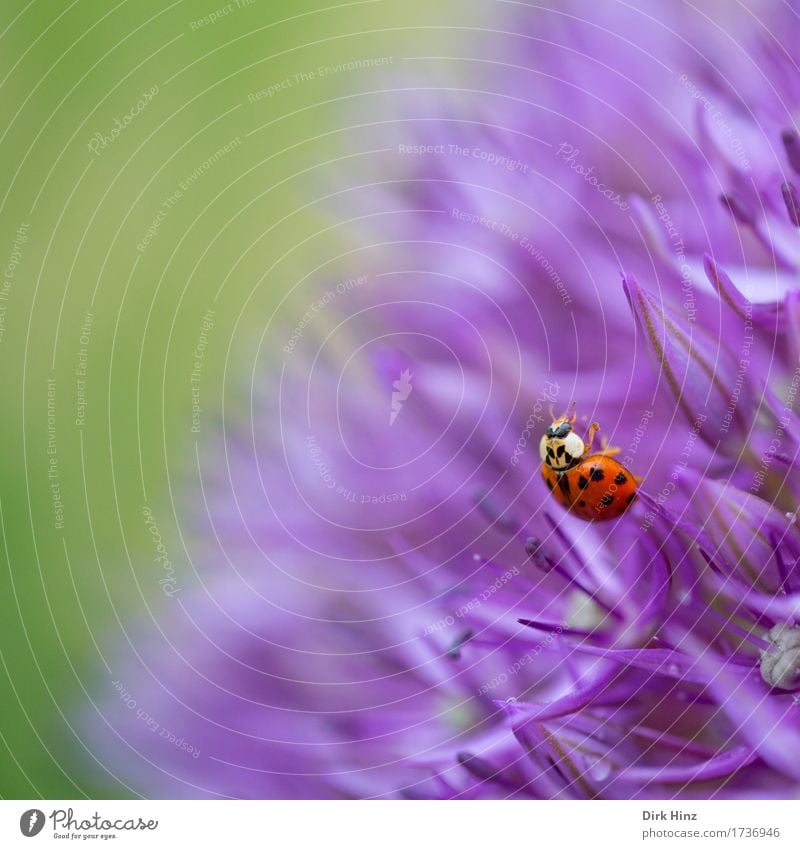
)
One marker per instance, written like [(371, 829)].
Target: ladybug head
[(559, 429), (561, 447)]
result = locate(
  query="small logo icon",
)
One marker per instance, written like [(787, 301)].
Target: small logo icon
[(403, 389), (31, 822)]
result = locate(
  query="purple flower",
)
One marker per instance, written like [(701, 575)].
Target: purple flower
[(388, 603)]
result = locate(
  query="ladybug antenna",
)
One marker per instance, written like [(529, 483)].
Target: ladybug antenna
[(572, 415)]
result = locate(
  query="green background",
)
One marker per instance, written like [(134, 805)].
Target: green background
[(252, 221)]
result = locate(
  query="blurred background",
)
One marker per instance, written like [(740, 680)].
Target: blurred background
[(178, 184), (163, 181)]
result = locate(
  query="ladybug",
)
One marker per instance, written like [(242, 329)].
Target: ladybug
[(593, 487)]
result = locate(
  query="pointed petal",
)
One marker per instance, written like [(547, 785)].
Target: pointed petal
[(711, 389), (791, 142), (718, 766), (792, 201)]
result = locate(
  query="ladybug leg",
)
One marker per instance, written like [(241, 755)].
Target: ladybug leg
[(593, 428), (606, 451)]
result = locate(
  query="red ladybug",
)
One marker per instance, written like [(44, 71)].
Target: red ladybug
[(592, 486)]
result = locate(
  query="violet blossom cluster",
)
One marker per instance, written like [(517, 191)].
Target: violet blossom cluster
[(387, 603)]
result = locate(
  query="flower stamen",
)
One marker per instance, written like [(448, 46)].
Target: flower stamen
[(780, 663)]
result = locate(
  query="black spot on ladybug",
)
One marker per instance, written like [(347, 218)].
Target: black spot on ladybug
[(549, 485), (596, 474), (583, 482), (620, 479), (560, 450), (563, 485), (581, 503), (550, 452), (607, 500), (568, 456), (630, 498)]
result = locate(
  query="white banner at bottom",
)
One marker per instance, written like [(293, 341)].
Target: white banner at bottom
[(401, 824)]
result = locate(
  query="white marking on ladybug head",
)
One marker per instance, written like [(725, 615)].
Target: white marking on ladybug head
[(573, 445), (543, 449)]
